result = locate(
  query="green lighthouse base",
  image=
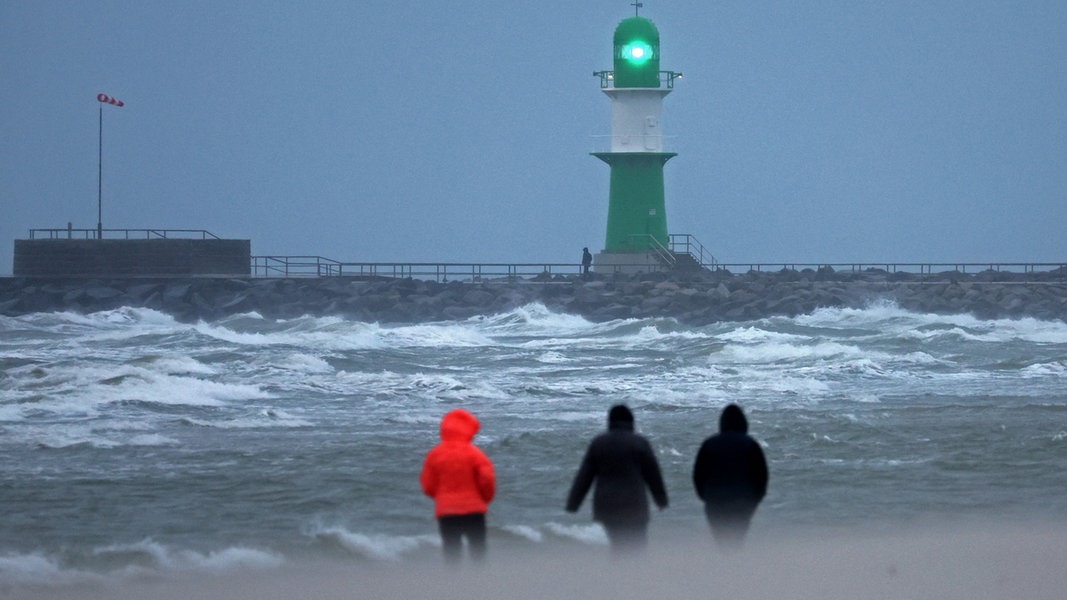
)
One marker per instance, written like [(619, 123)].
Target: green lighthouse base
[(637, 220)]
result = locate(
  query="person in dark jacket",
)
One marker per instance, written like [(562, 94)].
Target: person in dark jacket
[(623, 466), (730, 476)]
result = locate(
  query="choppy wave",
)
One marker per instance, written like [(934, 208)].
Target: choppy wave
[(128, 561), (371, 546), (135, 561), (220, 435), (153, 555)]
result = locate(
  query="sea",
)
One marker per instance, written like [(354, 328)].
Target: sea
[(136, 446)]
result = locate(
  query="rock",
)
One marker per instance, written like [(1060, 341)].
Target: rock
[(698, 298), (477, 297)]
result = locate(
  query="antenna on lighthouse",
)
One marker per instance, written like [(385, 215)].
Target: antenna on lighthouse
[(637, 7)]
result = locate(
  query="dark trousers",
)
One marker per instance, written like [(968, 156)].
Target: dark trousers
[(626, 538), (455, 527), (729, 522)]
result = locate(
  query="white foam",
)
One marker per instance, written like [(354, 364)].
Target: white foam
[(163, 558), (181, 365), (333, 333), (1032, 330), (67, 435), (571, 416), (532, 319), (56, 439), (524, 531), (110, 325), (1056, 368), (79, 389), (880, 312), (887, 317), (264, 418), (36, 569), (591, 533), (416, 418), (306, 363), (245, 339), (130, 560), (808, 387), (195, 392), (553, 358), (375, 546), (151, 439), (424, 385), (230, 559), (782, 352), (435, 335), (756, 335)]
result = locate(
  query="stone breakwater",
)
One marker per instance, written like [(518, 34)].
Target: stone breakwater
[(692, 298)]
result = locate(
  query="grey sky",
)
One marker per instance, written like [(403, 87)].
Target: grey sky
[(425, 130)]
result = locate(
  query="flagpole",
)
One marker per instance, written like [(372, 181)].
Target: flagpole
[(102, 99), (100, 181)]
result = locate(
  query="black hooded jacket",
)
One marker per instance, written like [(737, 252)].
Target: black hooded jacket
[(622, 464), (730, 467)]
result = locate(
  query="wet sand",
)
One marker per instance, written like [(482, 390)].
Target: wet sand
[(996, 562)]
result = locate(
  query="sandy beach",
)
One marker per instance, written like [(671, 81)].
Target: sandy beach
[(998, 562)]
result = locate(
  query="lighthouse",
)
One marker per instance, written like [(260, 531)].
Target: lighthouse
[(637, 238)]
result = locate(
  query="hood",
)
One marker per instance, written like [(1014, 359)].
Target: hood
[(620, 417), (459, 426), (733, 419)]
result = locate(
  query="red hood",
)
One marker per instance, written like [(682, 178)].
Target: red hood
[(459, 426)]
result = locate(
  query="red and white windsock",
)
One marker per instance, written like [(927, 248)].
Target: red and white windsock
[(104, 98)]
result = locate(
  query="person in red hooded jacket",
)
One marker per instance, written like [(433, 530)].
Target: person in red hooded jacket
[(461, 480)]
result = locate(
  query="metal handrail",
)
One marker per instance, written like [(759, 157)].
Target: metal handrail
[(649, 242), (295, 266), (889, 267), (318, 266), (607, 78), (686, 243), (69, 233)]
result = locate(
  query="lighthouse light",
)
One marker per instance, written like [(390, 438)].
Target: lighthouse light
[(637, 52)]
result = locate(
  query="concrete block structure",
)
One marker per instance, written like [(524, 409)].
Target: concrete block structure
[(136, 257)]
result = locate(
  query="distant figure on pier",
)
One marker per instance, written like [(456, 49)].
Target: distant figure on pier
[(730, 476), (461, 480), (623, 465), (587, 260)]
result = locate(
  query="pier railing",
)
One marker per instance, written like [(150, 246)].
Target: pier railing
[(648, 242), (70, 233), (318, 266), (915, 268)]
